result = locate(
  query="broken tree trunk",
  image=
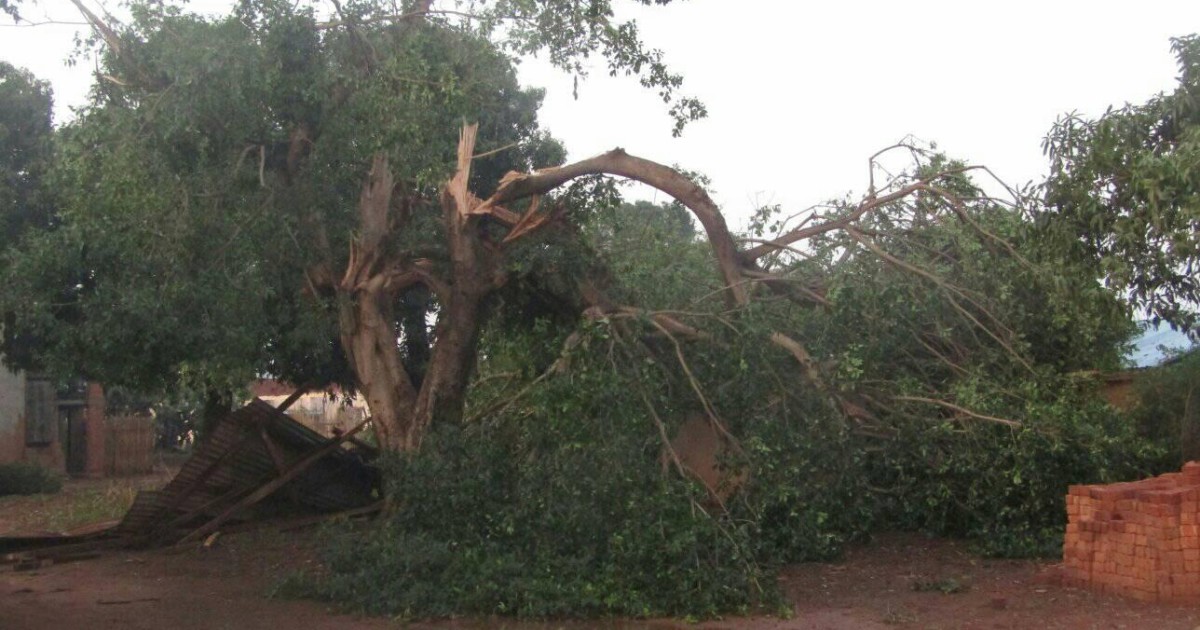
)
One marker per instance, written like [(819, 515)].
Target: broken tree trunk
[(365, 314), (477, 271), (404, 407), (375, 277)]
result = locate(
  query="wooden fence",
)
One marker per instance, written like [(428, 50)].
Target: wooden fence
[(129, 444)]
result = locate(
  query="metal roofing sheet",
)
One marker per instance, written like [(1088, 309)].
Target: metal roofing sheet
[(235, 458)]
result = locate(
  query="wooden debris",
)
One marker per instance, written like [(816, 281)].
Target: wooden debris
[(251, 455)]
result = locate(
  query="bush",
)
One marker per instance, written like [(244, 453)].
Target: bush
[(479, 531), (21, 478), (1004, 487), (1168, 406), (557, 507)]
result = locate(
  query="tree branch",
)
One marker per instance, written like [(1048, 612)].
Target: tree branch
[(948, 289), (102, 29), (962, 410), (668, 180)]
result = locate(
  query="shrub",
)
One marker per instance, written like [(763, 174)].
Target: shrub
[(479, 531), (22, 478), (1004, 487), (1168, 406)]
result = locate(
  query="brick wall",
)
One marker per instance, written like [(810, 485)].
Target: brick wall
[(1139, 539), (94, 418)]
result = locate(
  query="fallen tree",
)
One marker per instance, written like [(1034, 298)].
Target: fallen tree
[(280, 192), (265, 147)]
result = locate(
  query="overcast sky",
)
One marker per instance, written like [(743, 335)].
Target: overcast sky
[(800, 94)]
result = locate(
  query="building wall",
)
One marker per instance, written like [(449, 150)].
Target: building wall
[(94, 416), (12, 427), (12, 410), (1117, 389)]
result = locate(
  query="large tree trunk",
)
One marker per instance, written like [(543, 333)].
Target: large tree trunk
[(402, 413), (369, 339), (476, 272), (444, 390), (402, 407), (366, 316)]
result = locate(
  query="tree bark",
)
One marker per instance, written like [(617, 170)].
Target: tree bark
[(369, 339), (443, 393), (366, 307), (476, 271), (401, 407), (668, 180)]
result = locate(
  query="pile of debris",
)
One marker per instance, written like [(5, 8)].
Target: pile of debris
[(257, 466)]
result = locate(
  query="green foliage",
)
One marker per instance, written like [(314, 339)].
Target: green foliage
[(186, 221), (227, 157), (1167, 408), (556, 497), (1004, 487), (20, 478), (25, 150), (561, 504), (809, 495), (1124, 192), (573, 32), (221, 157), (560, 508), (652, 254), (961, 347), (25, 199)]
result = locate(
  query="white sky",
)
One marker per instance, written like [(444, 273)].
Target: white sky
[(800, 94)]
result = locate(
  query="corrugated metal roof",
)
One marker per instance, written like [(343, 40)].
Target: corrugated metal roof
[(234, 461)]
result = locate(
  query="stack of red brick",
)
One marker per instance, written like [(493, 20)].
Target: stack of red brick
[(1140, 539)]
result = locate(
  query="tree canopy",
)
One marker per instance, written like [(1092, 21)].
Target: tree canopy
[(1124, 189), (25, 150), (25, 159), (216, 171)]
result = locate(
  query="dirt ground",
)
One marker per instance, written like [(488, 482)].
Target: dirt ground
[(896, 581)]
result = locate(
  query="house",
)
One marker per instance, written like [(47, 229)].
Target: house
[(327, 411), (62, 429)]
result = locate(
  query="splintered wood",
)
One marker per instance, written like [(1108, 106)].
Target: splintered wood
[(1139, 539)]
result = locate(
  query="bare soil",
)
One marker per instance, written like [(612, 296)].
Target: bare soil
[(896, 581), (904, 581)]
